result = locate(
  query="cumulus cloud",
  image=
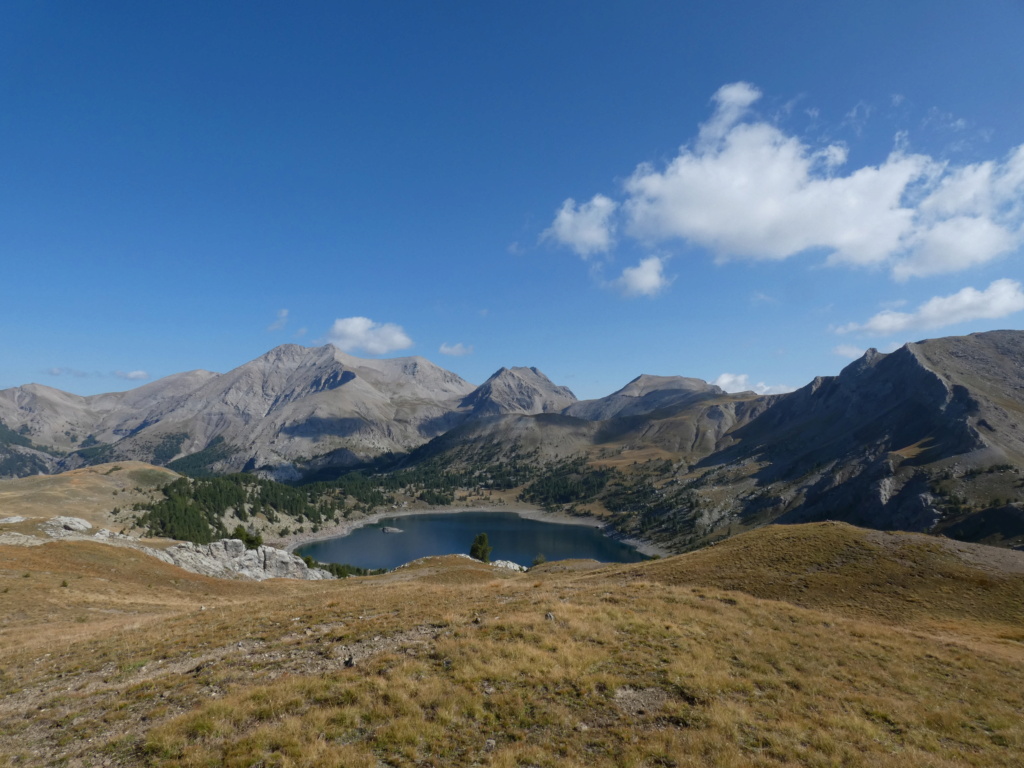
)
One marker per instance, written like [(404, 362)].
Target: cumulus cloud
[(132, 375), (280, 322), (645, 279), (745, 189), (758, 193), (849, 350), (587, 228), (740, 382), (456, 350), (361, 333), (1001, 298)]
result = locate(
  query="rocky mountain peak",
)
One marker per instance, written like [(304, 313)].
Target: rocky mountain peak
[(518, 390)]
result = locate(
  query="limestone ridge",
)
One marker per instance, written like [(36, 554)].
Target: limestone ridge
[(517, 390)]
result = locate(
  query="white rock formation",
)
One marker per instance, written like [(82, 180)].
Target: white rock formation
[(229, 559)]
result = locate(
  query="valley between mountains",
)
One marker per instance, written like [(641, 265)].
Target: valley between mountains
[(928, 438), (814, 643)]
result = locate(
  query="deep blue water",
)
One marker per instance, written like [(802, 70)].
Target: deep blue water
[(513, 537)]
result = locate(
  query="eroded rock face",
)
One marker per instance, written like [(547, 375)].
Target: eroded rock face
[(229, 559)]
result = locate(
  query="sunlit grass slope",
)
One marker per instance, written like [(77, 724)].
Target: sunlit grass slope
[(896, 577), (451, 663), (91, 493)]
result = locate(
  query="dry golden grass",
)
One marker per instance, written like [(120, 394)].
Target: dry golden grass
[(88, 493), (898, 578), (456, 664)]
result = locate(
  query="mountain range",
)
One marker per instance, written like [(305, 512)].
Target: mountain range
[(929, 437)]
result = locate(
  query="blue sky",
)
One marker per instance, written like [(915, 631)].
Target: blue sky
[(720, 190)]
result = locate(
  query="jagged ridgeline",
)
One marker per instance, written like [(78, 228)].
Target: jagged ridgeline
[(927, 438)]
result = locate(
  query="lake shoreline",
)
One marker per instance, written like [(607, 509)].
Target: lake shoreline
[(345, 527)]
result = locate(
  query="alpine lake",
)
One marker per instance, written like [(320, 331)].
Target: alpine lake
[(512, 537)]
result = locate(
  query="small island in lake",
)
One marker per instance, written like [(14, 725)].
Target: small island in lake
[(390, 529)]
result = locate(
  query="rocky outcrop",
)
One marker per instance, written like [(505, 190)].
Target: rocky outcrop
[(229, 559), (224, 559)]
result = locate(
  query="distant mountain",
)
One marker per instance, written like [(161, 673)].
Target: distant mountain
[(518, 390), (927, 438), (310, 407), (645, 394)]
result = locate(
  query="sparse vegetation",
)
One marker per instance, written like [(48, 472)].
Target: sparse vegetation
[(251, 540), (450, 663)]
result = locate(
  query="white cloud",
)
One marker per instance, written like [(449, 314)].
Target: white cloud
[(68, 372), (362, 333), (764, 195), (848, 350), (955, 244), (1001, 298), (731, 103), (132, 375), (586, 229), (280, 322), (746, 189), (740, 382), (645, 279), (456, 350), (857, 118)]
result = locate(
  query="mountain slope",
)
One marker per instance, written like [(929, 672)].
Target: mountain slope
[(927, 438), (644, 394), (293, 406), (111, 657)]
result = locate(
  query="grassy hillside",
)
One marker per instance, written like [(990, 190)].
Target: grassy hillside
[(108, 657), (92, 493)]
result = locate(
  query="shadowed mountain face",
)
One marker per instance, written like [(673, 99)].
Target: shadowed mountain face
[(927, 438)]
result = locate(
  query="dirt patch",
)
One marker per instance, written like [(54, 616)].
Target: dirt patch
[(640, 701)]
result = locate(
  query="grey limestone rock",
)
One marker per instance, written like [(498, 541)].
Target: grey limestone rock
[(228, 558)]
